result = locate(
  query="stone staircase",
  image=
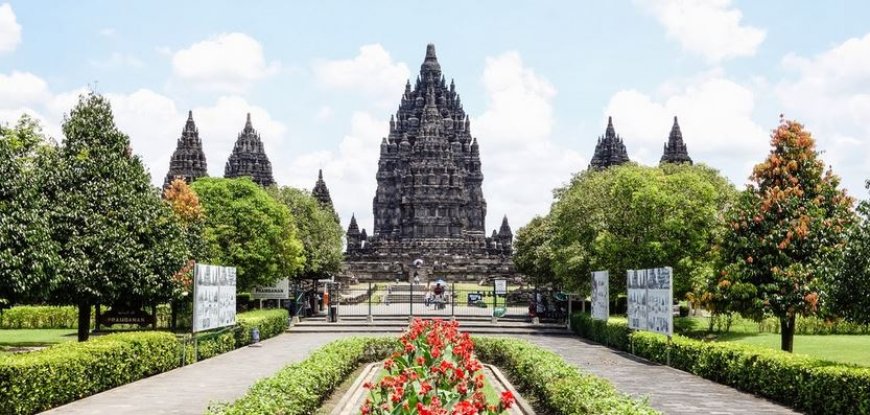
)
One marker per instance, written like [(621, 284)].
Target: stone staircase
[(472, 325)]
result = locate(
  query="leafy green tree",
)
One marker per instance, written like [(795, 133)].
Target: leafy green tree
[(119, 243), (319, 231), (248, 229), (786, 233), (533, 255), (633, 217), (849, 291), (28, 255)]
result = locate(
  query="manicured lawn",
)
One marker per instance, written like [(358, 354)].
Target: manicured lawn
[(838, 348), (35, 337)]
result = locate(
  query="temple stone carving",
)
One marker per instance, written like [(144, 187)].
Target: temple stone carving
[(675, 148), (429, 203), (321, 192), (610, 150), (188, 159), (248, 158)]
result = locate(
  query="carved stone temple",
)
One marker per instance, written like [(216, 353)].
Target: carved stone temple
[(610, 150), (429, 203), (249, 158), (188, 159), (675, 148)]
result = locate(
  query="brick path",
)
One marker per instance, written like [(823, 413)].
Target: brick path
[(188, 390), (669, 390)]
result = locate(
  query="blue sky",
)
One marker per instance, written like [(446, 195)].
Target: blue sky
[(538, 78)]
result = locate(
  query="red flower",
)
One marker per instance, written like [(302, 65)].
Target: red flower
[(507, 399)]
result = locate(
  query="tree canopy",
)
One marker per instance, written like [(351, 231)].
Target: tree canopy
[(319, 230), (533, 253), (248, 229), (849, 290)]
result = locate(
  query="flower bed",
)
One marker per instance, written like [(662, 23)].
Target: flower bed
[(435, 373)]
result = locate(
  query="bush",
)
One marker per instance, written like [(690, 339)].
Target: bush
[(270, 323), (612, 333), (815, 325), (806, 384), (36, 381), (558, 386), (40, 317), (299, 388)]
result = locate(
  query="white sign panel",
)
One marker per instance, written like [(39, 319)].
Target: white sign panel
[(600, 295), (650, 299), (500, 287), (279, 291), (214, 297)]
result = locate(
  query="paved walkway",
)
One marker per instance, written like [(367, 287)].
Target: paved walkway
[(188, 390), (669, 390)]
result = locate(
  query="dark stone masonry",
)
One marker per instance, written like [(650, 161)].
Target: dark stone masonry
[(429, 203), (248, 158), (675, 148), (188, 160)]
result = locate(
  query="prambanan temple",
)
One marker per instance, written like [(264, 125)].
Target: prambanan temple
[(429, 203)]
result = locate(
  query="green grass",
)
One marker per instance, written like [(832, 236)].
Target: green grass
[(35, 337)]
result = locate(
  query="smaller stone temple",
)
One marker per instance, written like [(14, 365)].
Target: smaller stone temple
[(610, 150), (320, 191), (675, 148), (248, 158), (188, 159)]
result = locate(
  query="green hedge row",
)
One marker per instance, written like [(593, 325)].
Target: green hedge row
[(36, 381), (270, 322), (301, 387), (556, 385), (806, 384), (815, 326), (40, 317)]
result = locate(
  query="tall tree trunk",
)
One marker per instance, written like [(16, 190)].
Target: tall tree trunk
[(787, 332), (84, 328), (173, 324)]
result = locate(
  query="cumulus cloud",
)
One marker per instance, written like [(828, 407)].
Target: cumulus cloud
[(715, 116), (372, 73), (229, 62), (710, 28), (118, 60), (10, 30), (829, 94), (22, 88)]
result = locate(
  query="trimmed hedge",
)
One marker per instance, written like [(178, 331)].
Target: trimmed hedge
[(271, 323), (557, 385), (40, 317), (815, 326), (36, 381), (806, 384), (300, 388)]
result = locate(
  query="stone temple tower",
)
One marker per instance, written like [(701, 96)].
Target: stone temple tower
[(249, 158), (188, 159), (429, 201), (675, 148), (610, 150)]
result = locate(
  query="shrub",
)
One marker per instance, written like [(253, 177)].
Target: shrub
[(36, 381), (806, 384), (612, 333), (299, 388), (270, 323), (815, 325), (558, 386), (40, 317)]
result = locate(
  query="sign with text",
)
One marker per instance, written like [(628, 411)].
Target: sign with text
[(650, 299), (279, 291), (600, 295), (500, 287), (214, 297)]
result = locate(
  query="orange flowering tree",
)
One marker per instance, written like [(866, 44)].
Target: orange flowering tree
[(786, 233), (189, 214)]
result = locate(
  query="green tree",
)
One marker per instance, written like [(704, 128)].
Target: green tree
[(319, 231), (248, 229), (786, 233), (119, 243), (633, 217), (849, 291), (28, 255), (533, 255)]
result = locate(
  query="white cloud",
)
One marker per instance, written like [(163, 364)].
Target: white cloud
[(228, 62), (830, 95), (710, 28), (22, 88), (715, 117), (521, 162), (372, 72), (118, 60), (324, 114), (10, 30)]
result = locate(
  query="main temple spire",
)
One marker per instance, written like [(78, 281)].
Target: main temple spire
[(188, 160), (675, 149), (249, 158), (610, 150)]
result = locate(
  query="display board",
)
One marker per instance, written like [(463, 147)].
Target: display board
[(214, 297), (650, 299), (600, 295), (279, 291), (500, 287)]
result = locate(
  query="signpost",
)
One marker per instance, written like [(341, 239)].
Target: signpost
[(280, 291), (214, 297), (600, 295), (650, 299)]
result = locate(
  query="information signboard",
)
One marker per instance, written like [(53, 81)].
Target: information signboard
[(214, 297), (500, 287), (279, 291), (650, 299), (600, 295)]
